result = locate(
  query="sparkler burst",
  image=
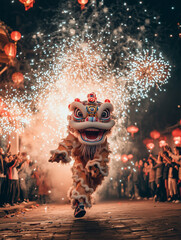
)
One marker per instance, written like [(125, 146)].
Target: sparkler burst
[(14, 115), (77, 71), (96, 50), (147, 70)]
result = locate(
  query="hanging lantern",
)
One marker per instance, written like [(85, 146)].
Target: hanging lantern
[(150, 145), (132, 129), (162, 141), (10, 50), (130, 156), (177, 141), (17, 77), (27, 3), (83, 3), (15, 36), (176, 132), (124, 158), (155, 134)]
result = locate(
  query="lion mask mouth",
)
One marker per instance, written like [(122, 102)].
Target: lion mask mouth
[(92, 134)]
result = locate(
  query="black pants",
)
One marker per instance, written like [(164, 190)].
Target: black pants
[(152, 188), (43, 199), (160, 190), (23, 190), (2, 190), (13, 191)]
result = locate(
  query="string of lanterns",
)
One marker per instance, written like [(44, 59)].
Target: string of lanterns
[(10, 50), (162, 140)]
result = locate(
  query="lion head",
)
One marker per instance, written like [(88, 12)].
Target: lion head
[(90, 120)]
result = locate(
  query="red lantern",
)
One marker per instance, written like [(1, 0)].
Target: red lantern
[(15, 36), (124, 158), (10, 50), (177, 140), (132, 129), (155, 134), (150, 145), (130, 156), (27, 3), (162, 141), (17, 77), (176, 132), (83, 3)]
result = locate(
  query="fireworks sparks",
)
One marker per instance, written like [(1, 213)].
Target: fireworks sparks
[(90, 50), (99, 49), (147, 70), (76, 72), (14, 116)]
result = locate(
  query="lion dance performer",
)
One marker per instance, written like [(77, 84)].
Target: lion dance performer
[(89, 125)]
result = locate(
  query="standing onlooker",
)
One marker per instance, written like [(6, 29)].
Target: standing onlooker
[(24, 179), (177, 158), (136, 181), (3, 168), (151, 170), (141, 181), (160, 189), (43, 187), (130, 185), (13, 179), (2, 177), (172, 180), (167, 161), (146, 179)]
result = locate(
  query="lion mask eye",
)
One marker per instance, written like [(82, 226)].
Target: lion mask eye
[(105, 113), (78, 113)]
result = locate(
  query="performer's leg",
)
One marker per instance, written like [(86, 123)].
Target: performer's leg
[(98, 168), (81, 191)]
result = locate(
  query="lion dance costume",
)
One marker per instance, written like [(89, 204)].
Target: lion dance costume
[(89, 125)]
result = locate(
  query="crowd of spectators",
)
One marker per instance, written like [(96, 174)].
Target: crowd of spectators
[(21, 180), (157, 178)]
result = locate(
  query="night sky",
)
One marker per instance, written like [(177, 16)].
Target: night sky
[(165, 111)]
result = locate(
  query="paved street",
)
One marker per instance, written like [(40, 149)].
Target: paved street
[(110, 220)]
